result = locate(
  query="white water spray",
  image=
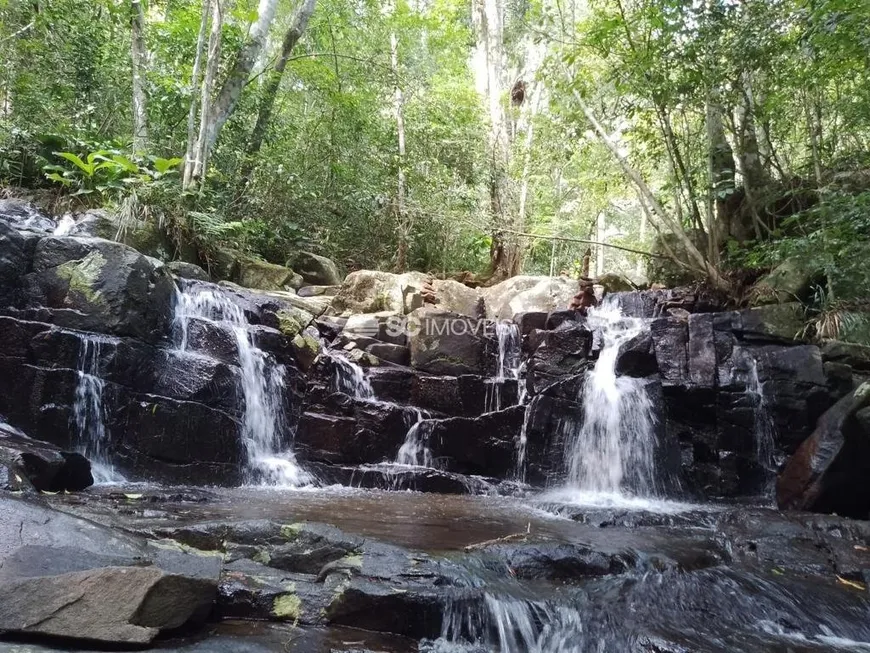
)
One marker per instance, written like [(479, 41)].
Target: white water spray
[(264, 424), (508, 365), (348, 377), (89, 411), (613, 451), (764, 428)]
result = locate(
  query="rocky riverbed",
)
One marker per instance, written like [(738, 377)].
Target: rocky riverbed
[(361, 570)]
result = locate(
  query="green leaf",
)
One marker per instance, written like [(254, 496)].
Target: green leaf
[(87, 168), (53, 176), (165, 165)]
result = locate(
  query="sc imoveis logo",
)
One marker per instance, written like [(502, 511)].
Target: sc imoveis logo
[(434, 325)]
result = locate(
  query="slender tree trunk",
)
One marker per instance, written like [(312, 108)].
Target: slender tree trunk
[(206, 120), (190, 153), (527, 156), (488, 18), (139, 58), (229, 94), (403, 221), (720, 159), (600, 236), (270, 90)]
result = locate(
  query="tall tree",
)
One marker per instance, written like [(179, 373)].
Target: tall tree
[(488, 19), (139, 58), (298, 25)]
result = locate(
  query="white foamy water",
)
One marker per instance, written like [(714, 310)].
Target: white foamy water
[(508, 364), (264, 424), (89, 411), (348, 377), (612, 453), (764, 428)]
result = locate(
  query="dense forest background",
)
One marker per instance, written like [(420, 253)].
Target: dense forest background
[(477, 137)]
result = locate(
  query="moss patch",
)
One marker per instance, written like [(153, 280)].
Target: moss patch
[(82, 276), (287, 606)]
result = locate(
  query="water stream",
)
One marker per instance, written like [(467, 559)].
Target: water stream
[(348, 377), (89, 411), (508, 364), (264, 432), (764, 428), (612, 452)]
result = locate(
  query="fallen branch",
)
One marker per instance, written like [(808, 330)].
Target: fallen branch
[(19, 32)]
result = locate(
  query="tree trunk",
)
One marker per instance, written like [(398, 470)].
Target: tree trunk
[(229, 94), (403, 221), (206, 111), (527, 156), (190, 152), (139, 57), (488, 18), (270, 90), (720, 159), (600, 236)]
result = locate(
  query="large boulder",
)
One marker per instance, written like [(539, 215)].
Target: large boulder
[(100, 285), (23, 216), (370, 291), (446, 343), (792, 280), (777, 322), (316, 270), (62, 576), (145, 236), (829, 471), (458, 298), (187, 270), (485, 445), (13, 264), (43, 465), (262, 275), (525, 294)]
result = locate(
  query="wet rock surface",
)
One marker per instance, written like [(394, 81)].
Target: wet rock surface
[(453, 571)]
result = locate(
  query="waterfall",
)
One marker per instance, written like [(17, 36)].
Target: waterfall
[(264, 424), (348, 377), (415, 449), (764, 428), (508, 364), (612, 451), (510, 625), (89, 411)]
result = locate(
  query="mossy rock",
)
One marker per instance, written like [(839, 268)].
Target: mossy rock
[(792, 280), (254, 273)]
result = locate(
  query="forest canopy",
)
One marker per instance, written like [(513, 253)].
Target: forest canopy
[(661, 140)]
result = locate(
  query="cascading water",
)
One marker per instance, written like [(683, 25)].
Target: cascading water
[(348, 377), (613, 451), (264, 424), (415, 449), (508, 363), (89, 411), (764, 429)]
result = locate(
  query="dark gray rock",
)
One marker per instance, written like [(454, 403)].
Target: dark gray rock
[(828, 472), (45, 466), (316, 270), (446, 343), (13, 264), (62, 576), (557, 354), (100, 285), (186, 270), (395, 354), (484, 445)]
